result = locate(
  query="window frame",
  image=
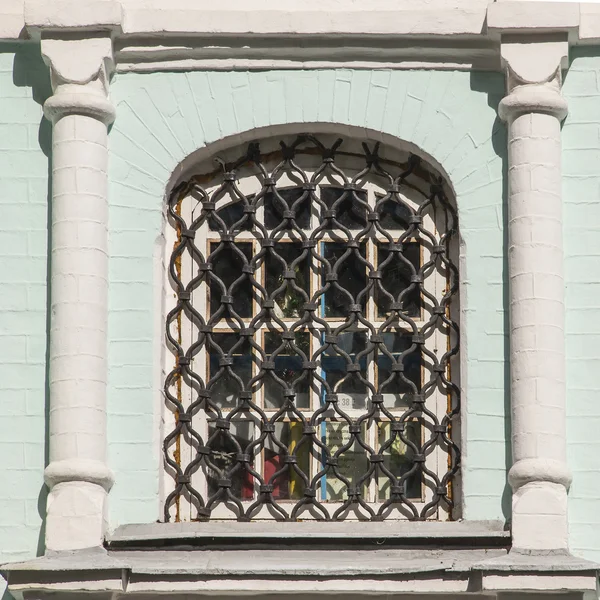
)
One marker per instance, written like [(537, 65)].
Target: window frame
[(437, 460)]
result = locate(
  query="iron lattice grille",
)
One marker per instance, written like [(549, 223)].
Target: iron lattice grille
[(314, 336)]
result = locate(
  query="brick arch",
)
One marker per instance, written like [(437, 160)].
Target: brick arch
[(345, 132), (162, 118)]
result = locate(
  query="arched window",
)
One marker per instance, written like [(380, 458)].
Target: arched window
[(313, 336)]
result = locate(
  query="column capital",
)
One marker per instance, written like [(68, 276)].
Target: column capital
[(73, 16), (533, 77), (80, 71)]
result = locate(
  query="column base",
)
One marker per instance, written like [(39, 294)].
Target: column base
[(539, 517), (76, 516), (76, 509)]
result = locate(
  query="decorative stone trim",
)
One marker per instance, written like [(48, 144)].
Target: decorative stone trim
[(59, 15), (74, 470), (395, 571), (79, 103), (533, 98), (539, 476), (78, 476)]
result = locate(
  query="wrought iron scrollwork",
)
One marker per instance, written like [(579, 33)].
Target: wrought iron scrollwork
[(314, 332)]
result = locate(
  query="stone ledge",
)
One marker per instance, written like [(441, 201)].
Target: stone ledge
[(546, 561), (240, 572), (463, 533), (60, 15)]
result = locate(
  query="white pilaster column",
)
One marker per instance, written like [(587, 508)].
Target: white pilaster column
[(533, 110), (78, 476)]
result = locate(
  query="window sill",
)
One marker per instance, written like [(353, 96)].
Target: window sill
[(464, 534)]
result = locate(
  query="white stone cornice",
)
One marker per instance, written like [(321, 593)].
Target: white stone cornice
[(72, 15), (533, 18), (152, 22)]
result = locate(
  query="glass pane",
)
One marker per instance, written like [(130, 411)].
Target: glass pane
[(225, 391), (289, 301), (227, 265), (396, 276), (352, 279), (288, 367), (225, 447), (230, 214), (349, 211), (398, 459), (352, 463), (397, 390), (281, 199), (338, 370), (393, 214), (289, 485)]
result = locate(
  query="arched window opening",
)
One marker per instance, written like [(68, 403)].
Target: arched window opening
[(313, 336)]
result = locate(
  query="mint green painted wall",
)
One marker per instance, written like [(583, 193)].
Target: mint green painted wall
[(581, 194), (24, 140), (163, 117)]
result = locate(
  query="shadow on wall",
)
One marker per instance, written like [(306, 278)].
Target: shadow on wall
[(30, 71), (480, 82), (7, 596)]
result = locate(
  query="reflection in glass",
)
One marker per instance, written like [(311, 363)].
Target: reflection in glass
[(288, 366), (288, 303), (352, 463), (396, 278), (349, 212), (230, 214), (352, 279), (223, 456), (397, 392), (289, 485), (393, 214), (225, 391), (282, 199), (398, 459), (344, 381), (227, 265)]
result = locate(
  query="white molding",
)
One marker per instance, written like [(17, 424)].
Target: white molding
[(521, 17), (78, 476), (11, 19), (308, 17), (303, 52), (294, 572), (189, 35), (80, 62), (261, 65), (342, 531), (81, 15), (539, 477)]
